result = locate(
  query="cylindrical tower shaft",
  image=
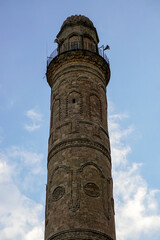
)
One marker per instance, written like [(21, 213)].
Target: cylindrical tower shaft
[(79, 198)]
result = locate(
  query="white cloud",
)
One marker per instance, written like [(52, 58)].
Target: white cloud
[(36, 233), (137, 212), (35, 118), (119, 151), (27, 159), (20, 216), (29, 168)]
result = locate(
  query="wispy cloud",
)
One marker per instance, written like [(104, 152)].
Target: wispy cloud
[(137, 210), (117, 135), (29, 160), (20, 216), (35, 120)]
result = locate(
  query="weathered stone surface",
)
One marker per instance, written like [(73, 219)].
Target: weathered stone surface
[(80, 234), (79, 198)]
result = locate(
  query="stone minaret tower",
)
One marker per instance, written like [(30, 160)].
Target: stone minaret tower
[(79, 198)]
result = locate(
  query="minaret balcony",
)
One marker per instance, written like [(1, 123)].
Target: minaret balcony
[(73, 46)]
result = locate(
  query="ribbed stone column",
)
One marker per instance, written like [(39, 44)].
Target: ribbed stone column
[(79, 198)]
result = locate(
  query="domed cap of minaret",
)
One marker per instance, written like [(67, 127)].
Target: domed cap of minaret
[(78, 20)]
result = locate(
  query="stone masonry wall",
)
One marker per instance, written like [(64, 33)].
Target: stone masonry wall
[(79, 200)]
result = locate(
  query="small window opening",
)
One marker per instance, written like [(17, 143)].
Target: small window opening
[(73, 100), (74, 45)]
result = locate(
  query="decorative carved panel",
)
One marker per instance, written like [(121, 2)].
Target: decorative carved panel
[(74, 103), (95, 108)]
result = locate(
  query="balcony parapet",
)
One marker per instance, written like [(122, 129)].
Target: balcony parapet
[(55, 53)]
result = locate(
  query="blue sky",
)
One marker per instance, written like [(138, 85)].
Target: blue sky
[(28, 30)]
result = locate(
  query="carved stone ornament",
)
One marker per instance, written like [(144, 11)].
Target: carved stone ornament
[(58, 193), (92, 190)]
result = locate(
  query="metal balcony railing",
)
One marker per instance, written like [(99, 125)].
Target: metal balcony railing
[(102, 54), (55, 53)]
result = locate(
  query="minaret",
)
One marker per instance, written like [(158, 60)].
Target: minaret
[(79, 197)]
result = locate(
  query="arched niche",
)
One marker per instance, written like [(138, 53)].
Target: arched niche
[(89, 44), (95, 108), (55, 112), (74, 103), (74, 42)]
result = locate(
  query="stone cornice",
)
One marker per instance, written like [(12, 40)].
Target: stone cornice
[(81, 56), (79, 142), (75, 234)]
